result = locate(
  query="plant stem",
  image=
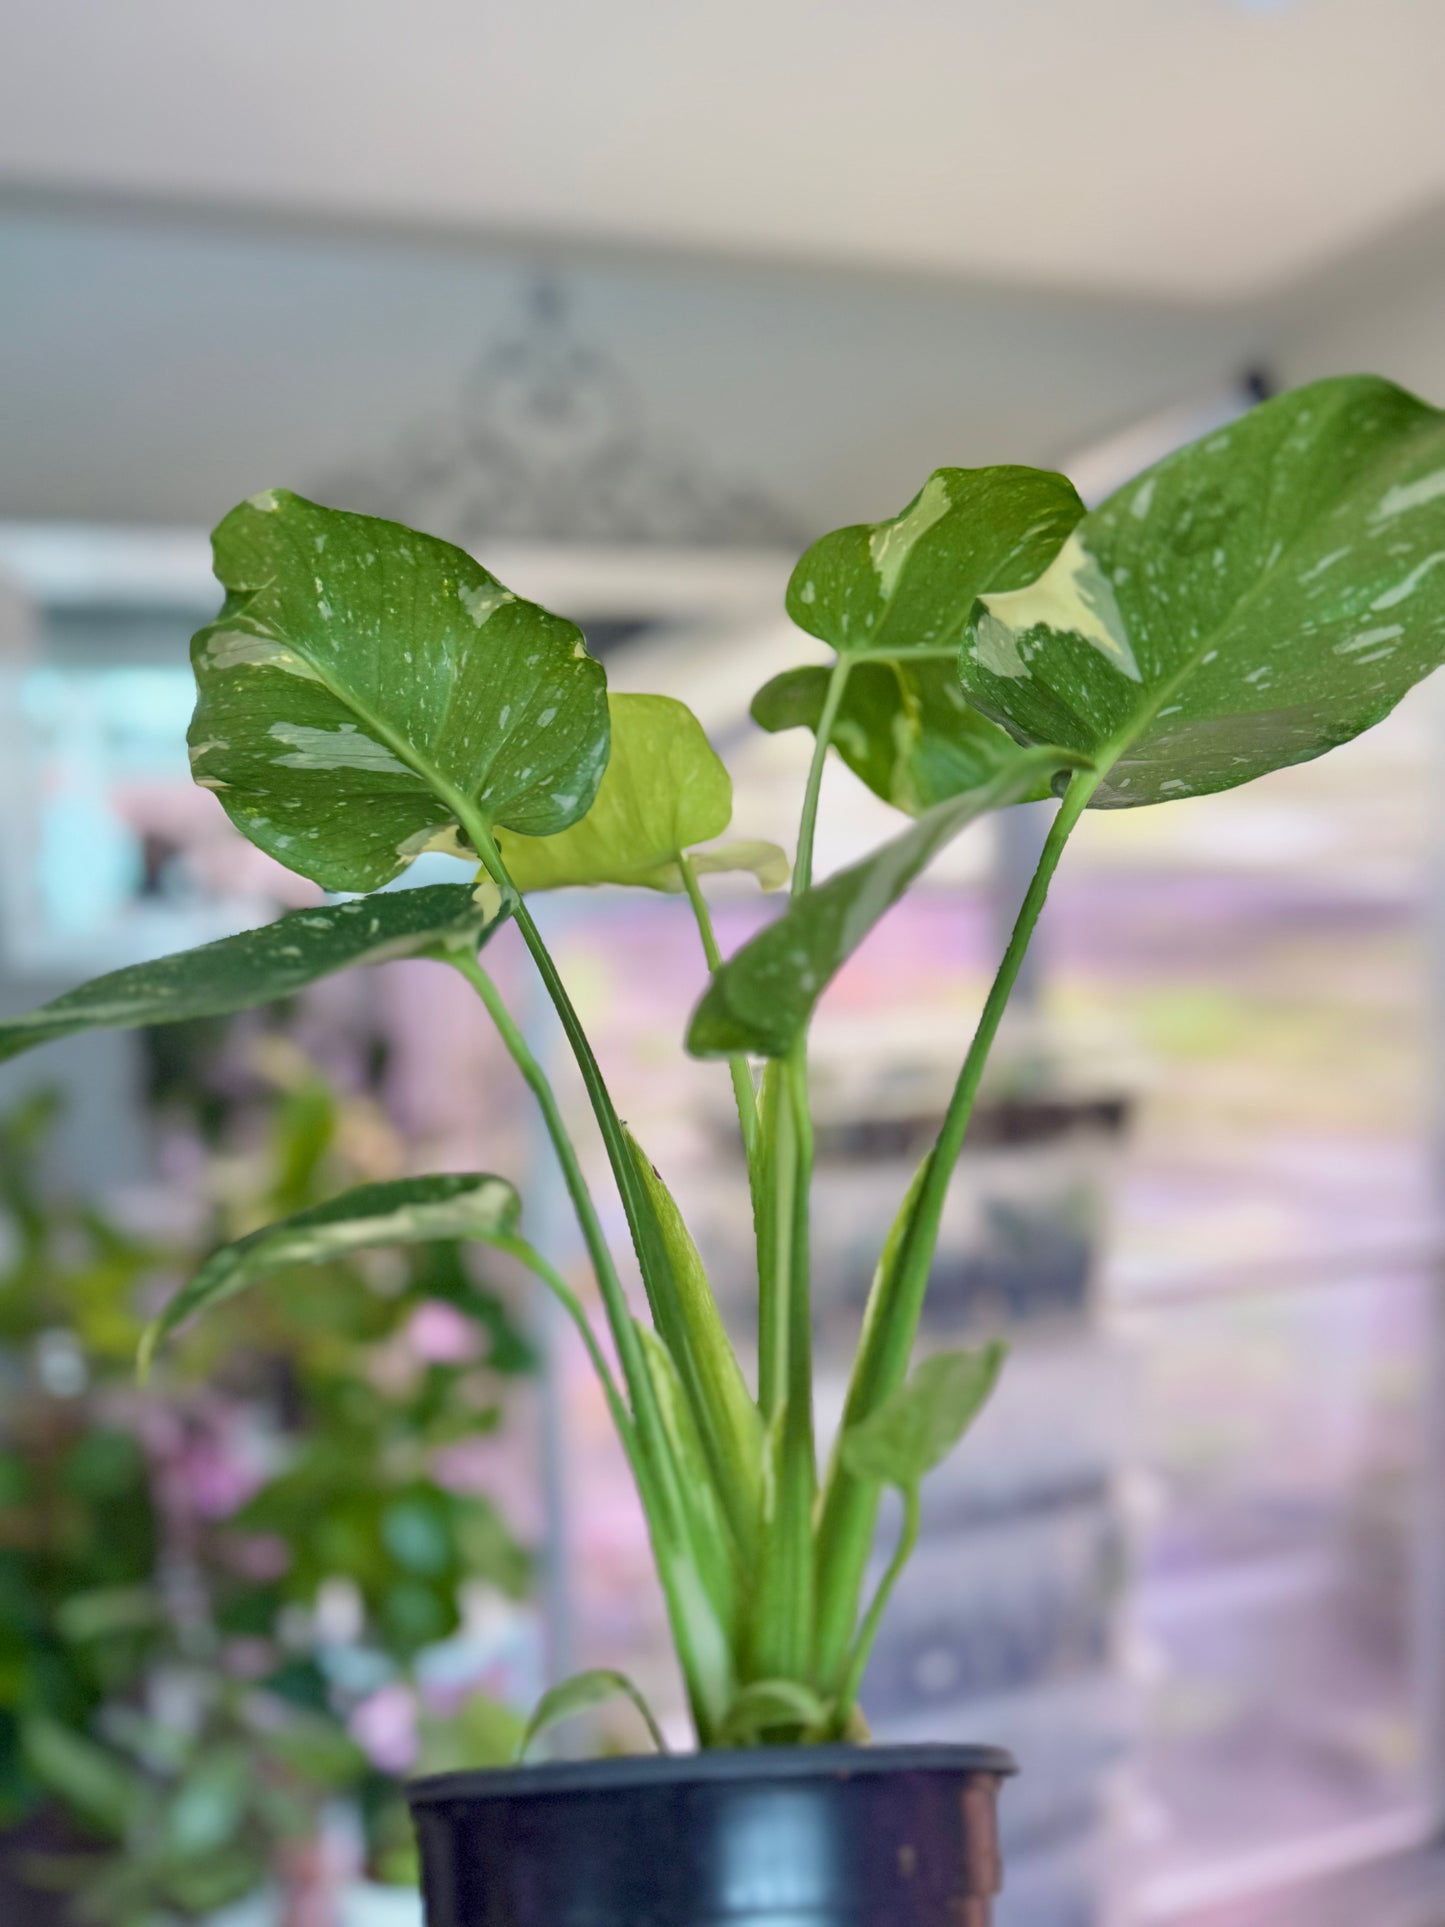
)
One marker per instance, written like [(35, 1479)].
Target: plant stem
[(782, 1643), (645, 1237), (775, 1242), (822, 736), (653, 1468), (619, 1314), (743, 1092), (548, 1274), (868, 1631), (850, 1506)]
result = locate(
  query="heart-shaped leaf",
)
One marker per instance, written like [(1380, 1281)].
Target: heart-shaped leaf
[(364, 684), (399, 1211), (1247, 603), (762, 998), (916, 1428), (259, 966), (893, 598), (905, 728), (911, 581), (665, 789), (579, 1695)]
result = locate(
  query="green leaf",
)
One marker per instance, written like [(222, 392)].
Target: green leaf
[(1247, 603), (87, 1778), (916, 1428), (260, 966), (400, 1211), (848, 1515), (579, 1695), (911, 581), (780, 1635), (773, 1705), (880, 593), (728, 1421), (665, 789), (762, 998), (905, 728), (365, 684), (711, 1546)]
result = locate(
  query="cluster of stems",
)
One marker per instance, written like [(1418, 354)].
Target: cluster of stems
[(806, 1624)]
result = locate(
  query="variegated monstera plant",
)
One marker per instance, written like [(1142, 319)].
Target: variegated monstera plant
[(367, 693)]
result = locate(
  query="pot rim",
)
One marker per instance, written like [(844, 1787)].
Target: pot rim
[(756, 1763)]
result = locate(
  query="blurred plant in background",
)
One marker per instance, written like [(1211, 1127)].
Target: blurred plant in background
[(220, 1594)]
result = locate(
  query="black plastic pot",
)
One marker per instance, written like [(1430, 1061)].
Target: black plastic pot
[(787, 1837)]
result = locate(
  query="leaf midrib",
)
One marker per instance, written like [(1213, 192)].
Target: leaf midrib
[(401, 746)]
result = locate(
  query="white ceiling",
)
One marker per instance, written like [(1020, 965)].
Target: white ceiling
[(1190, 149)]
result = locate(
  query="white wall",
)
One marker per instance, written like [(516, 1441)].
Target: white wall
[(1383, 312), (159, 370)]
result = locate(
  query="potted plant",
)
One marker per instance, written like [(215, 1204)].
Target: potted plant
[(367, 693)]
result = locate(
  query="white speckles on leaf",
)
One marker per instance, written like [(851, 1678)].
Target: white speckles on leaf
[(1367, 637), (1317, 569), (891, 543), (995, 648), (1143, 496), (808, 594), (236, 649), (342, 748), (1073, 596), (1406, 588), (483, 601), (1410, 495)]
